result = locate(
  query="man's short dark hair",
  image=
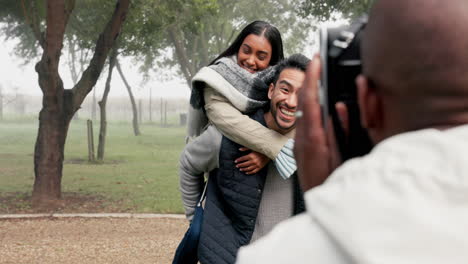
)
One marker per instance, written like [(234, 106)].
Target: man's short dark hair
[(295, 61), (265, 78), (270, 76)]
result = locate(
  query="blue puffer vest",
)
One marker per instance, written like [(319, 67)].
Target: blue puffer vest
[(231, 205)]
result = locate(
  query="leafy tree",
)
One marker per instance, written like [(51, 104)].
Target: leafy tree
[(16, 25), (197, 31), (281, 13), (329, 9), (161, 33), (48, 21), (83, 27)]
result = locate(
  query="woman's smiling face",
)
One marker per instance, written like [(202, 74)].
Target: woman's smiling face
[(254, 54)]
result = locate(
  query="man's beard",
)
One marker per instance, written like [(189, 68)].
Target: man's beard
[(275, 114)]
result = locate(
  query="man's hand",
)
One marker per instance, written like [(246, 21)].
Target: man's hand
[(252, 162), (315, 149)]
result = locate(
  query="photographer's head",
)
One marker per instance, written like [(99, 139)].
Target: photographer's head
[(285, 83), (414, 66)]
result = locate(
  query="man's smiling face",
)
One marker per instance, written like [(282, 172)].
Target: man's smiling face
[(283, 96)]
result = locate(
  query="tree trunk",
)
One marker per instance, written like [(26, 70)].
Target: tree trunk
[(149, 106), (136, 128), (165, 113), (56, 112), (49, 153), (102, 107), (58, 104), (181, 54), (162, 111), (72, 63), (140, 111), (204, 48), (93, 106)]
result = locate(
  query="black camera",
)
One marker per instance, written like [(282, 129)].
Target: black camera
[(341, 64)]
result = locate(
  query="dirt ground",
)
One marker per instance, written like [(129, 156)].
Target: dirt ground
[(83, 240), (20, 203)]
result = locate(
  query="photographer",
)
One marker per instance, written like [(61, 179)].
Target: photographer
[(406, 201)]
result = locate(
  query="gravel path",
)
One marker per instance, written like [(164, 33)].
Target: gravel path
[(80, 240)]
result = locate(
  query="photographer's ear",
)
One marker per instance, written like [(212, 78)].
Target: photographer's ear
[(370, 106)]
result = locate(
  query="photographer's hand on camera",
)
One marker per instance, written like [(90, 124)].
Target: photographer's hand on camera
[(315, 149)]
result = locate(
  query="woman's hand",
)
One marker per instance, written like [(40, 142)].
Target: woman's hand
[(252, 162)]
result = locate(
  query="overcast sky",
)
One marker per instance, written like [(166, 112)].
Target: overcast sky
[(25, 78)]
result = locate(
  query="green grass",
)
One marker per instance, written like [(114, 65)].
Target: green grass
[(138, 172)]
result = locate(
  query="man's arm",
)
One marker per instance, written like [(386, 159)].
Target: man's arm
[(198, 156)]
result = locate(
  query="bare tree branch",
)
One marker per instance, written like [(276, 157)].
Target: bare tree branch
[(103, 45), (180, 52), (33, 21)]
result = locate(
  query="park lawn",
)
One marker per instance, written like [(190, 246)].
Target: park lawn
[(139, 174)]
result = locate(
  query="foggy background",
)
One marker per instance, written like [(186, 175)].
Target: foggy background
[(128, 163), (22, 97), (138, 140)]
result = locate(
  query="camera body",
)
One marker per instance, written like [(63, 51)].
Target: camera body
[(341, 64)]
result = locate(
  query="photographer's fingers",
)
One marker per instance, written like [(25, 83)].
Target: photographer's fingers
[(315, 111), (309, 101), (342, 111), (311, 148), (334, 152)]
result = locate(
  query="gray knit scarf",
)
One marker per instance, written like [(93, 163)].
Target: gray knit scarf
[(253, 87)]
